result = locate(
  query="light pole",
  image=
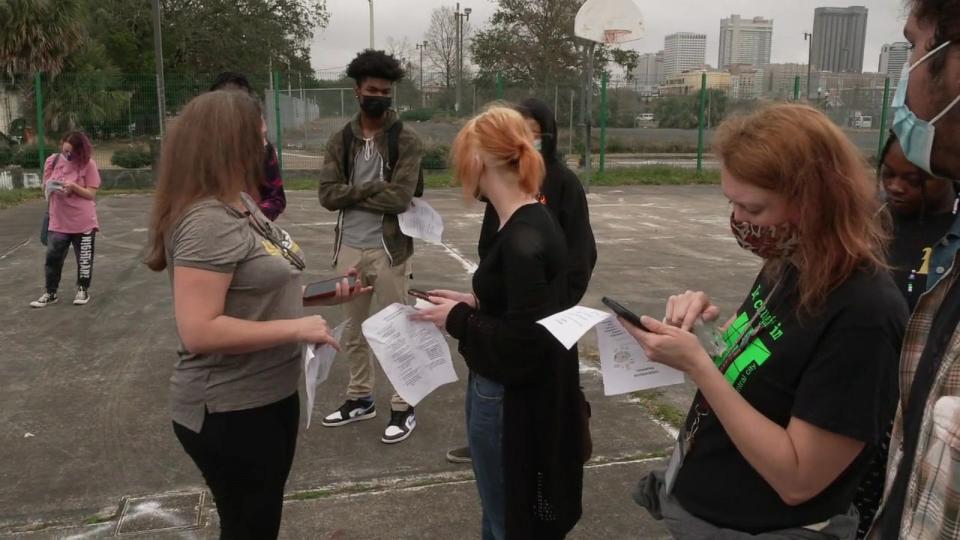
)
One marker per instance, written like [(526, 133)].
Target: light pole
[(808, 37), (423, 96), (158, 56), (371, 23), (459, 17)]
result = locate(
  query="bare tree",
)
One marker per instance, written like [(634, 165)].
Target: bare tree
[(401, 49), (442, 46)]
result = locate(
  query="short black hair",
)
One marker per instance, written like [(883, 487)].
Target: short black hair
[(376, 64), (231, 78), (944, 15)]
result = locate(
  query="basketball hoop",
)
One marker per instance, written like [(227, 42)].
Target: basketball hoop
[(615, 36), (609, 21)]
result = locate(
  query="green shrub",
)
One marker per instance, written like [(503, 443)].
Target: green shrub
[(418, 115), (133, 157), (435, 157), (6, 155), (26, 156)]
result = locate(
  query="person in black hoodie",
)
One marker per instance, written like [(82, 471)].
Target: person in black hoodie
[(563, 195)]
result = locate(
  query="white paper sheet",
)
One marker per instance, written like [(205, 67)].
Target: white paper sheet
[(317, 362), (422, 221), (413, 354), (571, 325), (623, 364)]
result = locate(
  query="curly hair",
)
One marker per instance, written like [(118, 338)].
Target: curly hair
[(945, 16), (376, 64)]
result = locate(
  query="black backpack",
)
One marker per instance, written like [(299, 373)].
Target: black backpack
[(393, 154)]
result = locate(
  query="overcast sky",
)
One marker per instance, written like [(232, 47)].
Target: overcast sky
[(348, 31)]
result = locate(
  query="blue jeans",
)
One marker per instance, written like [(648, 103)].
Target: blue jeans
[(484, 436)]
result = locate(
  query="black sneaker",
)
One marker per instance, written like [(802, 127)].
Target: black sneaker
[(45, 300), (459, 455), (402, 424), (353, 410)]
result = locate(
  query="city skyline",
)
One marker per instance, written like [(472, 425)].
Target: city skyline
[(347, 33)]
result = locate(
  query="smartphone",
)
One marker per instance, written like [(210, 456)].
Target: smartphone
[(327, 288), (625, 313), (417, 293)]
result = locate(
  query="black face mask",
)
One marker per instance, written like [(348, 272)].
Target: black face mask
[(375, 106)]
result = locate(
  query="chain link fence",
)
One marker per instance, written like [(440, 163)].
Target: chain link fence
[(120, 114)]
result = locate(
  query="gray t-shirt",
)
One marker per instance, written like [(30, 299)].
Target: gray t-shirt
[(265, 286), (363, 229)]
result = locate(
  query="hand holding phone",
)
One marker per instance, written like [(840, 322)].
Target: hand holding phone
[(417, 293), (327, 288), (624, 313)]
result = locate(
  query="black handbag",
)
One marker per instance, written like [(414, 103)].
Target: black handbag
[(45, 224)]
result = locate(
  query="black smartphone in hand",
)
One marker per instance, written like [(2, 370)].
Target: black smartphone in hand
[(327, 288), (624, 313), (417, 293)]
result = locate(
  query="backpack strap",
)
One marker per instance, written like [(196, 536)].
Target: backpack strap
[(347, 136)]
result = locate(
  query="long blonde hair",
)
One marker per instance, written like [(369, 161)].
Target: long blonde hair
[(213, 149)]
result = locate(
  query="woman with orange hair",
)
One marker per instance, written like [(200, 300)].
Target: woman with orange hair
[(796, 393), (523, 393)]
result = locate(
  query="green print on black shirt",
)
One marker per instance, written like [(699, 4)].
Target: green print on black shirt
[(756, 352)]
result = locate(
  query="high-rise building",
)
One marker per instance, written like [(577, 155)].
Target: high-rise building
[(839, 38), (683, 51), (745, 41), (893, 56), (649, 71)]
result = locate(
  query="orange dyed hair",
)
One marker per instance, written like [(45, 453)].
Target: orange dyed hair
[(501, 133), (796, 151)]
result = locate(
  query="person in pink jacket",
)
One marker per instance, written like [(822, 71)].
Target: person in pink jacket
[(70, 180)]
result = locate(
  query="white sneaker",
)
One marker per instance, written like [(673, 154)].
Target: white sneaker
[(45, 300), (81, 298), (402, 424)]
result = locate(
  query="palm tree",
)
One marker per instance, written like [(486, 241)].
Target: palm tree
[(37, 35)]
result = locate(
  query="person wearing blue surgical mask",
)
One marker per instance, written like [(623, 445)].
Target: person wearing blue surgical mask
[(921, 499)]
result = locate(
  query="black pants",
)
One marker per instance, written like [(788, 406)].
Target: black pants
[(245, 457), (58, 244)]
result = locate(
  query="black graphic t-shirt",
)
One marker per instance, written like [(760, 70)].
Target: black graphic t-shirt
[(835, 369), (911, 250)]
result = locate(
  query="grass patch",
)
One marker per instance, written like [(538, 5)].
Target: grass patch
[(664, 412), (654, 175), (310, 495), (13, 197), (96, 520), (651, 175)]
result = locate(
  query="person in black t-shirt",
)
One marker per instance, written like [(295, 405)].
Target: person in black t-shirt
[(523, 397), (923, 208), (800, 385)]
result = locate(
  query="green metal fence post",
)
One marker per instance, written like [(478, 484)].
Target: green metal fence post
[(796, 88), (883, 117), (276, 103), (703, 106), (604, 79), (499, 85), (41, 138)]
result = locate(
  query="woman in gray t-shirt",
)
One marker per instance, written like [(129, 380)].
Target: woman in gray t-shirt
[(239, 311)]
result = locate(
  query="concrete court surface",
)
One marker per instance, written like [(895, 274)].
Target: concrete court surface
[(86, 446)]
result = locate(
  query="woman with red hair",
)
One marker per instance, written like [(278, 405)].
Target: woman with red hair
[(523, 424), (796, 393), (70, 180)]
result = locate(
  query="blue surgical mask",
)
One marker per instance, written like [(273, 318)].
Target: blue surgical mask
[(538, 144), (916, 135)]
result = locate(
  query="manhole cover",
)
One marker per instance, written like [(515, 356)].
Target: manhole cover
[(161, 512)]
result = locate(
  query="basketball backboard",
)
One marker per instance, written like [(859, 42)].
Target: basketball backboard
[(609, 21)]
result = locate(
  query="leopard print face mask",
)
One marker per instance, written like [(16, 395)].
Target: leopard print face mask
[(766, 241)]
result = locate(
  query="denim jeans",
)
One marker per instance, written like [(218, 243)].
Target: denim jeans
[(58, 245), (484, 436)]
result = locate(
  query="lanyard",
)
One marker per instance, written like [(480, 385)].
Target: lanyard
[(267, 231), (701, 408)]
